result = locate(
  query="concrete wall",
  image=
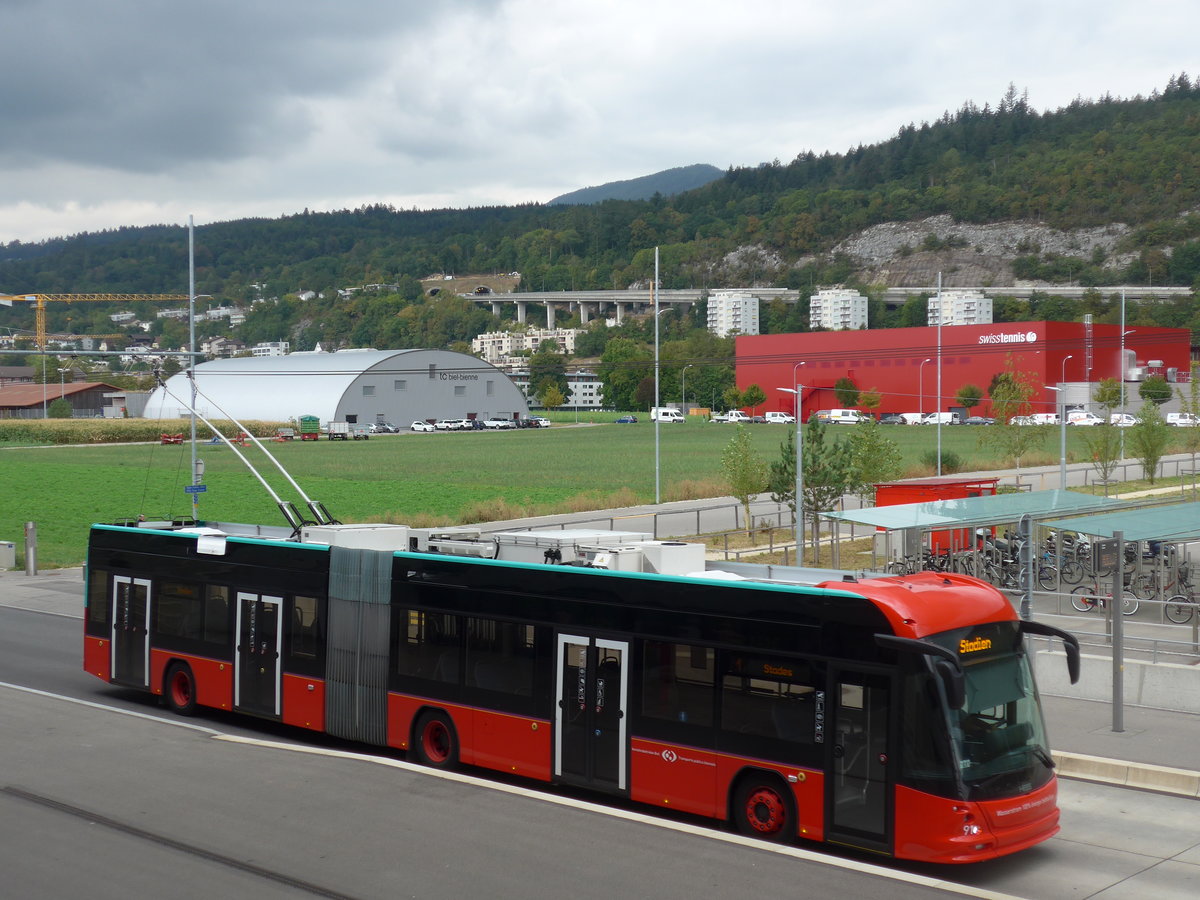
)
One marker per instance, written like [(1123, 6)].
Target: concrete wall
[(1160, 685)]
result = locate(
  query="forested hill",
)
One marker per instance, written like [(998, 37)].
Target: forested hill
[(668, 184), (1092, 163)]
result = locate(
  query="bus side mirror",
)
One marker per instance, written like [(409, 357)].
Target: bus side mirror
[(952, 682), (1070, 643)]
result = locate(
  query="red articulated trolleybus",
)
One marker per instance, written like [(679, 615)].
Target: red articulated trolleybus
[(897, 715)]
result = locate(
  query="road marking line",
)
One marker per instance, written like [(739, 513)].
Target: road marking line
[(630, 816)]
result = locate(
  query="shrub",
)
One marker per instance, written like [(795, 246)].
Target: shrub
[(951, 462)]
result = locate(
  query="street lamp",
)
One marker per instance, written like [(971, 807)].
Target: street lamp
[(921, 381), (61, 386), (683, 389), (799, 392)]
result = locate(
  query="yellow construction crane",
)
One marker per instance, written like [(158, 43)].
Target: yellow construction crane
[(40, 301)]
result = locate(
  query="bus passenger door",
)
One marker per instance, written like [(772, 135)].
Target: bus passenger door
[(256, 679), (131, 631), (591, 731), (859, 792)]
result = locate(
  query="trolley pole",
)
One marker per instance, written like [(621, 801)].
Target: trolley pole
[(1118, 635)]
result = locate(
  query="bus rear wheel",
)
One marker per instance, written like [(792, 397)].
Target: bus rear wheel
[(436, 743), (762, 808), (179, 687)]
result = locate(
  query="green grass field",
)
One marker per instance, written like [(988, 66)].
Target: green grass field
[(411, 478)]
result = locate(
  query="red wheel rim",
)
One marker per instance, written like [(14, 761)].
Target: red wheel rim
[(435, 741), (181, 688), (765, 811)]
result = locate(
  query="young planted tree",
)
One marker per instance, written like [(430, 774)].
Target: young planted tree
[(1189, 402), (1148, 438), (1011, 393), (753, 397), (876, 458), (1155, 390), (829, 472), (846, 392), (969, 396), (745, 471)]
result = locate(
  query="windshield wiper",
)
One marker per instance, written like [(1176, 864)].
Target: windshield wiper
[(1040, 752)]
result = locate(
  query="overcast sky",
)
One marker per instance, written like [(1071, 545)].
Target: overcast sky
[(135, 112)]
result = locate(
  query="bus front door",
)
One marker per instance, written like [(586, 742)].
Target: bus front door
[(131, 631), (859, 792), (256, 679), (591, 734)]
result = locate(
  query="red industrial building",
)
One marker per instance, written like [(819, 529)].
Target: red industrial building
[(902, 363)]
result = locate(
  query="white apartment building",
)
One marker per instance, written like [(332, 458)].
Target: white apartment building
[(495, 346), (837, 309), (732, 312), (960, 307), (585, 390), (271, 348)]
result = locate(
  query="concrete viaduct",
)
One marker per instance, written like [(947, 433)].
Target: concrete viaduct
[(595, 304)]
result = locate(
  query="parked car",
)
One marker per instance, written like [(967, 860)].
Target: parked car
[(420, 426), (498, 424), (1083, 417), (1021, 420), (780, 418), (1122, 420), (891, 419), (1182, 420), (757, 420), (979, 420), (539, 422), (627, 420)]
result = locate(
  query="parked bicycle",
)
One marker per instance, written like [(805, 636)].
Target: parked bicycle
[(1180, 607), (1087, 597)]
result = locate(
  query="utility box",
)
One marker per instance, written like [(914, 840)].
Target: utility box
[(8, 555)]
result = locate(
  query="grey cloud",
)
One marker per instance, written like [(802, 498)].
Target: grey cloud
[(142, 86)]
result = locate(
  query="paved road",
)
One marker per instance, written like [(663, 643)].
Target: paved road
[(117, 795)]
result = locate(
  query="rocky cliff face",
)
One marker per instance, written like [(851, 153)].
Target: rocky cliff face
[(967, 255)]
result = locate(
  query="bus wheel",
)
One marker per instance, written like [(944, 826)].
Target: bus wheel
[(179, 687), (436, 743), (763, 809)]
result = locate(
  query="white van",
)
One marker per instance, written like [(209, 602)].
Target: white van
[(780, 418), (665, 414), (1083, 417), (912, 418), (1183, 420), (1043, 419), (839, 416), (942, 418)]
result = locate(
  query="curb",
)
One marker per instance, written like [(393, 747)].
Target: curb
[(1144, 776)]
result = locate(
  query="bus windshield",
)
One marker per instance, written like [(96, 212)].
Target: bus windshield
[(998, 737)]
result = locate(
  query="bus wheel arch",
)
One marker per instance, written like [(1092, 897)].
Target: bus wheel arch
[(179, 688), (435, 739), (762, 806)]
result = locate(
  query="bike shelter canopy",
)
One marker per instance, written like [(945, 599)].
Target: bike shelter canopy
[(975, 511), (917, 519), (1174, 522)]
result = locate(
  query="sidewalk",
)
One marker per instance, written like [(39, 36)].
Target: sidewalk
[(1157, 750)]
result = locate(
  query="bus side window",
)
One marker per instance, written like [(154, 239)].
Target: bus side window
[(677, 682), (428, 646), (216, 615), (305, 636), (99, 603), (178, 610)]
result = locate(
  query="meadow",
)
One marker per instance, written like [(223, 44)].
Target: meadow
[(420, 479)]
